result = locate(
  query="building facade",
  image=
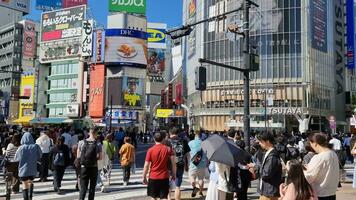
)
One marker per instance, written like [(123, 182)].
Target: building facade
[(302, 65)]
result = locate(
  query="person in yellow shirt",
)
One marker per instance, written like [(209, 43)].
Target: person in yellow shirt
[(127, 155)]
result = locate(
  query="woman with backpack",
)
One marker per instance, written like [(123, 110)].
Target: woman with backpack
[(59, 158)]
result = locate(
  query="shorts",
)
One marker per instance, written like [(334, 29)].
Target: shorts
[(158, 188), (26, 178), (196, 174), (179, 176)]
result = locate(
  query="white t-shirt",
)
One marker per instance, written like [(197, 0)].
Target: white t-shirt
[(323, 173), (45, 143), (336, 144)]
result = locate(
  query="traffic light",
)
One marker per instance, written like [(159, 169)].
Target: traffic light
[(200, 78)]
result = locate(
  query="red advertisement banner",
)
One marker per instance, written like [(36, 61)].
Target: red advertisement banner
[(96, 96)]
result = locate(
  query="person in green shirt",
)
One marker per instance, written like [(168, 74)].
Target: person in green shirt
[(110, 149)]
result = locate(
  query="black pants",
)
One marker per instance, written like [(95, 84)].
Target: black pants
[(58, 174), (126, 172), (44, 166), (13, 167), (88, 175), (328, 198)]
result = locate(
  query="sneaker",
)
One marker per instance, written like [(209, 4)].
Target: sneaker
[(125, 183), (103, 190), (195, 191), (59, 191)]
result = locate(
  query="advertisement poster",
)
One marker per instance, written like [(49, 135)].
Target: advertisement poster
[(126, 47), (98, 46), (72, 3), (132, 90), (318, 23), (19, 5), (192, 36), (156, 62), (46, 5), (350, 11), (29, 45), (26, 89), (124, 115), (156, 35), (179, 94), (87, 38), (96, 95), (128, 6), (62, 24), (60, 50)]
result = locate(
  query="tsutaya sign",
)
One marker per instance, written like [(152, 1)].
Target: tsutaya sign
[(284, 111), (241, 92)]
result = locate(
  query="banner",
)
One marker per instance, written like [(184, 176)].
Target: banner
[(179, 94), (156, 63), (350, 34), (166, 113), (128, 6), (132, 90), (192, 36), (126, 115), (156, 35), (27, 89), (29, 40), (318, 23), (126, 47), (96, 95), (19, 5), (72, 3), (62, 24), (99, 46), (46, 5), (87, 38), (59, 50)]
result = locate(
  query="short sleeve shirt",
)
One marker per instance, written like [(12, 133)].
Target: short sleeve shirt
[(159, 156)]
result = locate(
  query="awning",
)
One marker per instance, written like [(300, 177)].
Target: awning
[(51, 120), (23, 120)]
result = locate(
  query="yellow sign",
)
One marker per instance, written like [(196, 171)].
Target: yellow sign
[(27, 89), (164, 113), (132, 99), (156, 35)]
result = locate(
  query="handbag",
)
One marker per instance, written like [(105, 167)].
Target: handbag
[(197, 158)]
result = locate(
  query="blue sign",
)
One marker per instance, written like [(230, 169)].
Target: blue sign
[(318, 23), (350, 34), (48, 5)]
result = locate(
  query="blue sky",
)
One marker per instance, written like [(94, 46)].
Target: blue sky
[(162, 11)]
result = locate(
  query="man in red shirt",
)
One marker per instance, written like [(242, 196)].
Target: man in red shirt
[(157, 159)]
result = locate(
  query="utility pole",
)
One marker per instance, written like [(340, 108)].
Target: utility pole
[(110, 123)]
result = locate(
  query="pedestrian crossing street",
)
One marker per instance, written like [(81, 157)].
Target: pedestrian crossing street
[(116, 190)]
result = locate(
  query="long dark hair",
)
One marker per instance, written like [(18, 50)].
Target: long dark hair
[(303, 189)]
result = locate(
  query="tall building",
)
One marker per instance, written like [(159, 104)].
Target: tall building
[(302, 64)]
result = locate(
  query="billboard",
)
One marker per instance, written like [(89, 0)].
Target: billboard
[(318, 23), (72, 3), (124, 115), (29, 34), (87, 38), (27, 89), (46, 5), (126, 47), (99, 46), (350, 34), (96, 88), (128, 6), (19, 5), (62, 24), (156, 62), (132, 90), (59, 50), (192, 36), (156, 35)]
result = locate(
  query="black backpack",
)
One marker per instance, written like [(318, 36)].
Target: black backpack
[(234, 181), (88, 157), (58, 159), (178, 149)]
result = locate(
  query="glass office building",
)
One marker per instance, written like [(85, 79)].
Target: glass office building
[(298, 46)]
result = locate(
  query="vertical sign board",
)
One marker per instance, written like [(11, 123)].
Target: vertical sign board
[(96, 96), (318, 23), (192, 36), (128, 6), (339, 56), (87, 38), (350, 11), (26, 89), (98, 46), (29, 45)]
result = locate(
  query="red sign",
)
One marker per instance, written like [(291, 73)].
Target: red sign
[(179, 93), (72, 3), (29, 39), (170, 95), (96, 95)]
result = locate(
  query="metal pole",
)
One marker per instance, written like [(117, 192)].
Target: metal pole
[(247, 75), (110, 125), (319, 114), (266, 112)]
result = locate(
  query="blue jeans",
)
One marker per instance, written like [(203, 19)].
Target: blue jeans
[(179, 176)]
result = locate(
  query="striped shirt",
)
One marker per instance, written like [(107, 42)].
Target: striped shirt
[(11, 151)]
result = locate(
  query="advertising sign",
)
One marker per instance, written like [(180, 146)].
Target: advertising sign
[(62, 24), (59, 50), (96, 95), (166, 113), (132, 90), (29, 34), (124, 115), (192, 36), (98, 46), (72, 3), (19, 5), (128, 6), (350, 11), (318, 23), (46, 5), (87, 38), (27, 89), (126, 47), (156, 62), (179, 94), (73, 110), (156, 34)]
